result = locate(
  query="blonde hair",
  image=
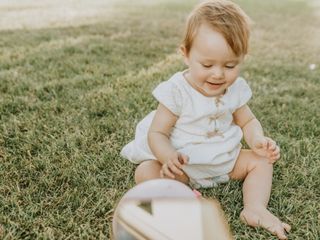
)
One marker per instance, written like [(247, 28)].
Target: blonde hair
[(223, 16)]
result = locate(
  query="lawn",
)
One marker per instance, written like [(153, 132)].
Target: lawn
[(70, 97)]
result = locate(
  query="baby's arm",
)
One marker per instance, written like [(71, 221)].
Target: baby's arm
[(251, 127), (159, 142), (254, 136)]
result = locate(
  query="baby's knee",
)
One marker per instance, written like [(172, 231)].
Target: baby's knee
[(260, 162), (147, 170)]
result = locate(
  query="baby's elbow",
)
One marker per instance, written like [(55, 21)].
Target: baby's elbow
[(248, 122), (154, 135)]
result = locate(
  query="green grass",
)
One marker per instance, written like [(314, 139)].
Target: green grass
[(70, 99)]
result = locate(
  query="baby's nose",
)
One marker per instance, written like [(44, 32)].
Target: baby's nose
[(217, 72)]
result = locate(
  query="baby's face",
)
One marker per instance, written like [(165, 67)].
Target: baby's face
[(213, 66)]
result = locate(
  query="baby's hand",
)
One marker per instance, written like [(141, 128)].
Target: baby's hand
[(266, 147), (173, 165)]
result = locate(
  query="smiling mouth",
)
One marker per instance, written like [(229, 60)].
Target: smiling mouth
[(215, 85)]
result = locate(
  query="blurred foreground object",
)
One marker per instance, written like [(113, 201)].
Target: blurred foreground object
[(167, 209)]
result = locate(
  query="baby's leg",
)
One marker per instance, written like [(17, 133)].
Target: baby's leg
[(257, 175), (150, 169)]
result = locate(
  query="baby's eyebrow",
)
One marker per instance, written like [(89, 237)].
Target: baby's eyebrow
[(232, 62), (236, 61)]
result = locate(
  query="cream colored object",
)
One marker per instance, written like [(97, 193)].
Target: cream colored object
[(172, 219)]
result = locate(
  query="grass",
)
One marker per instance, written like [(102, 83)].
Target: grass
[(70, 98)]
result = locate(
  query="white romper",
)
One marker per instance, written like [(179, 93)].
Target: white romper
[(204, 131)]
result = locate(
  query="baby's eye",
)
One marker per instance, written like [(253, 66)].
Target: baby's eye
[(206, 65), (230, 66)]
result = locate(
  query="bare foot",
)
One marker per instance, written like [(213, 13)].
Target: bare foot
[(261, 217)]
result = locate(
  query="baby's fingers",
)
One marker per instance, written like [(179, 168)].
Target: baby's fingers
[(272, 145), (165, 172), (276, 151), (175, 169), (274, 158), (183, 159), (261, 143), (275, 155)]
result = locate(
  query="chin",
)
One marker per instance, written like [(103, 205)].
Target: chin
[(213, 93)]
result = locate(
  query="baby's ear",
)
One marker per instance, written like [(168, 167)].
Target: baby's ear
[(183, 52)]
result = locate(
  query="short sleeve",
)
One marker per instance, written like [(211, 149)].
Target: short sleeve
[(168, 94), (245, 92), (239, 94)]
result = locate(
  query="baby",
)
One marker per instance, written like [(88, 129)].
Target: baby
[(194, 134)]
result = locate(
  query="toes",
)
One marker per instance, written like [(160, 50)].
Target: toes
[(281, 235), (275, 226), (286, 226), (278, 231), (281, 230)]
